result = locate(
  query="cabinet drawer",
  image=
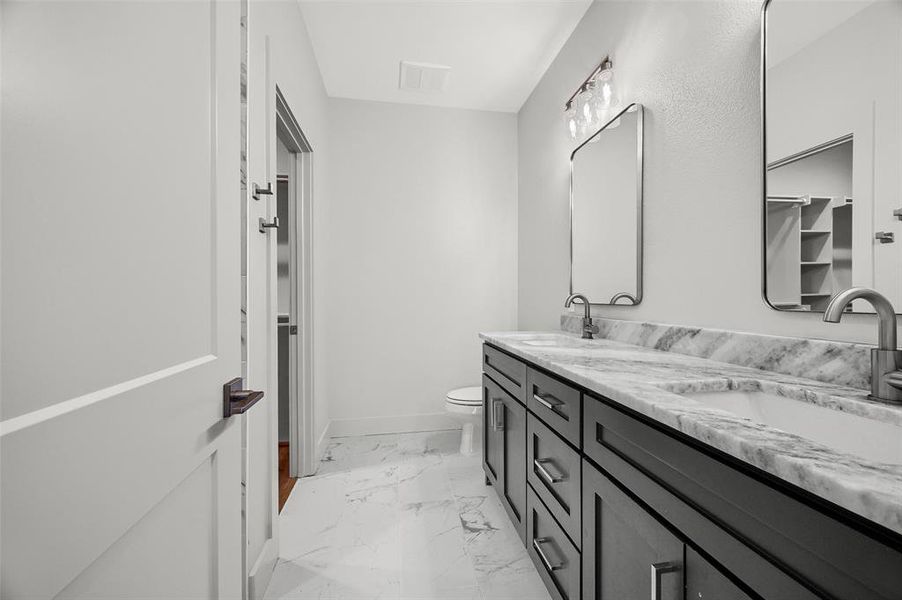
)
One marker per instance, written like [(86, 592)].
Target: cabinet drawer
[(553, 470), (556, 403), (507, 371), (556, 558)]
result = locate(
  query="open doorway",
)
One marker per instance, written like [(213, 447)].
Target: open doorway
[(294, 156)]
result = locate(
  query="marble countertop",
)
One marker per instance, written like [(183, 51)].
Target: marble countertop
[(651, 381)]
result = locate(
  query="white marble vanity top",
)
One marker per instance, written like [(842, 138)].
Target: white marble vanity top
[(650, 382)]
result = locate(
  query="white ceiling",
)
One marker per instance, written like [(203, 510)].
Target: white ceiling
[(497, 49)]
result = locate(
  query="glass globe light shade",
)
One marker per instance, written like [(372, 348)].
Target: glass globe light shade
[(607, 100), (570, 120)]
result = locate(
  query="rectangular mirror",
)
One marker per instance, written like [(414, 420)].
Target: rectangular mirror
[(832, 101), (606, 212)]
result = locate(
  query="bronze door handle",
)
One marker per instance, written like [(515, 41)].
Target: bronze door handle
[(236, 401)]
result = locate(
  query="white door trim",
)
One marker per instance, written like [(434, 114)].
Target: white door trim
[(301, 431)]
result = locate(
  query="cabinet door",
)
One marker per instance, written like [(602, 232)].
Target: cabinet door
[(504, 450), (703, 581), (492, 434), (514, 430), (627, 553)]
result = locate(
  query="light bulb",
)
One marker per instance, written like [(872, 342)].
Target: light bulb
[(581, 128), (607, 100), (586, 113), (570, 121)]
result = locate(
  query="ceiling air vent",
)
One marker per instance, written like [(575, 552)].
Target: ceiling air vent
[(423, 77)]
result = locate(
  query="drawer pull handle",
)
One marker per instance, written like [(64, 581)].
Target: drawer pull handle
[(548, 401), (658, 570), (543, 472), (497, 415), (537, 545)]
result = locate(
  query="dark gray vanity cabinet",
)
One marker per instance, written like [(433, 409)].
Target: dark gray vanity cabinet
[(613, 505), (504, 444), (768, 539)]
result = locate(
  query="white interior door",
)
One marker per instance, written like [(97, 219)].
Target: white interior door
[(120, 281), (261, 427)]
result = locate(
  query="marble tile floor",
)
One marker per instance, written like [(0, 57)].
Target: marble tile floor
[(400, 516)]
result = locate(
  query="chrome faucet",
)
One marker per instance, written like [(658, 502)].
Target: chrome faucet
[(886, 359), (588, 327)]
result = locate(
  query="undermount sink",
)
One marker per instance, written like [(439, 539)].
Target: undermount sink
[(867, 438), (541, 342)]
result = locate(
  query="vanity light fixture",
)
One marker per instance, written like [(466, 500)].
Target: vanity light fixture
[(593, 103)]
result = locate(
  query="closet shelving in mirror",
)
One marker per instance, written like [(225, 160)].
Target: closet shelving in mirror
[(803, 233)]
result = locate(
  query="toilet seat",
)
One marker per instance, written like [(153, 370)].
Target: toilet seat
[(467, 396)]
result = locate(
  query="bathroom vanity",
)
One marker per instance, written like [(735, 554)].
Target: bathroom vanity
[(627, 480)]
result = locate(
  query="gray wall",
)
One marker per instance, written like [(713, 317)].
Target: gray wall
[(695, 67), (421, 250)]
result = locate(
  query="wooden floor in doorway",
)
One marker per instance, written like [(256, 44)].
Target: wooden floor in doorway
[(286, 482)]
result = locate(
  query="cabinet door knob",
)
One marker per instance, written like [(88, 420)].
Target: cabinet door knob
[(885, 237), (658, 570)]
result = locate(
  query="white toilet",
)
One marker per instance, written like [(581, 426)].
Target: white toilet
[(465, 404)]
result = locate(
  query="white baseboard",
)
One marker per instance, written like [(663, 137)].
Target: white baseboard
[(323, 441), (397, 424)]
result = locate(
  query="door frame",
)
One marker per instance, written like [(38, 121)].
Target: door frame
[(302, 438)]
